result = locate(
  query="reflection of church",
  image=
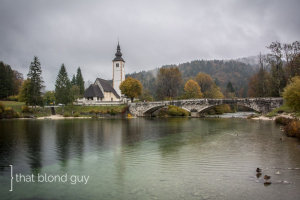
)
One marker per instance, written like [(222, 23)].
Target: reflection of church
[(102, 91)]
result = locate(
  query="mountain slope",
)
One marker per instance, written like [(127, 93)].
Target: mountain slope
[(238, 73)]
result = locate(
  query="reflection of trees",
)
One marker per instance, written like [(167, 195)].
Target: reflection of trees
[(78, 139), (8, 141), (171, 144), (32, 136), (69, 135), (131, 131)]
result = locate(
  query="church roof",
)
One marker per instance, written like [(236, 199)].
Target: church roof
[(93, 91), (118, 54), (107, 86)]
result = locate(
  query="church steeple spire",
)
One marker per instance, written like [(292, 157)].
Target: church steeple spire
[(118, 54), (118, 70)]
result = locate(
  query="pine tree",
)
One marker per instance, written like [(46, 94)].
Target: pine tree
[(73, 81), (63, 87), (229, 88), (80, 81), (36, 82), (6, 81)]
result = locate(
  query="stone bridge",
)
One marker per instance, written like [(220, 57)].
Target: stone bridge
[(262, 105)]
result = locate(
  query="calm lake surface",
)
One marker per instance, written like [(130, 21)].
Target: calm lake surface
[(144, 158)]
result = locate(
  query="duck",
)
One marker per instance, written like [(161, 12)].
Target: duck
[(267, 177), (258, 170), (266, 183), (258, 174)]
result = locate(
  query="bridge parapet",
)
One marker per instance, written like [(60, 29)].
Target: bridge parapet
[(263, 105)]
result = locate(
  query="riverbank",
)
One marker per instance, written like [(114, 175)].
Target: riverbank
[(18, 110), (265, 117), (58, 117)]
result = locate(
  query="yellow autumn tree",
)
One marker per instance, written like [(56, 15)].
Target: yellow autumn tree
[(291, 93), (131, 88), (192, 90)]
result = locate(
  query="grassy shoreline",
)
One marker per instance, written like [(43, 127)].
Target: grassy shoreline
[(18, 110)]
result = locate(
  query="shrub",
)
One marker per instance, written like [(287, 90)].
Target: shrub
[(26, 109), (282, 120), (163, 112), (220, 109), (66, 114), (10, 113), (124, 109), (1, 110), (113, 112), (293, 128), (12, 98), (291, 93), (176, 111), (76, 114), (1, 107), (92, 112)]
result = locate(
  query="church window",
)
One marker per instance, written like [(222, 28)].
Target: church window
[(117, 64)]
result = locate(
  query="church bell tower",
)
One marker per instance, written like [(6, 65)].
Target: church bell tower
[(118, 70)]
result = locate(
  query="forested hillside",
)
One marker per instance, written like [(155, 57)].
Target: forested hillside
[(238, 73)]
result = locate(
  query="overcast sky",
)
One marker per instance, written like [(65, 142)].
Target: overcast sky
[(151, 33)]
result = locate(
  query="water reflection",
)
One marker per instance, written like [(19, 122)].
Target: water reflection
[(32, 139), (152, 158)]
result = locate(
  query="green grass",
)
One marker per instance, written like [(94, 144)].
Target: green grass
[(17, 106), (91, 110)]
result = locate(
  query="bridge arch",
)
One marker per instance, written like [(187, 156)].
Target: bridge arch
[(152, 109), (203, 109)]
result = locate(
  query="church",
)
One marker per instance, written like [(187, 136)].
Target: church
[(101, 91)]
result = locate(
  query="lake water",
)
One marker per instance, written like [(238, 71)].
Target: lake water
[(143, 158)]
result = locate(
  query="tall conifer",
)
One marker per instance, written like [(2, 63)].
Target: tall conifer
[(63, 87)]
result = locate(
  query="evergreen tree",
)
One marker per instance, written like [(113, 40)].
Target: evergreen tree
[(36, 82), (63, 87), (74, 91), (229, 87), (73, 81), (80, 81), (6, 80), (230, 92)]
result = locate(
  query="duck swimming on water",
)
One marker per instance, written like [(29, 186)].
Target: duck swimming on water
[(258, 170), (267, 183), (258, 174), (267, 177)]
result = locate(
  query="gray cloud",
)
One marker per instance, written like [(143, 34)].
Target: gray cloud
[(151, 33)]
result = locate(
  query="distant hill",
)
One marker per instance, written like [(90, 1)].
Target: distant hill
[(251, 60), (237, 71)]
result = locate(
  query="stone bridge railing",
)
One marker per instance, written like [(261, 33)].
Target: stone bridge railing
[(262, 105)]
